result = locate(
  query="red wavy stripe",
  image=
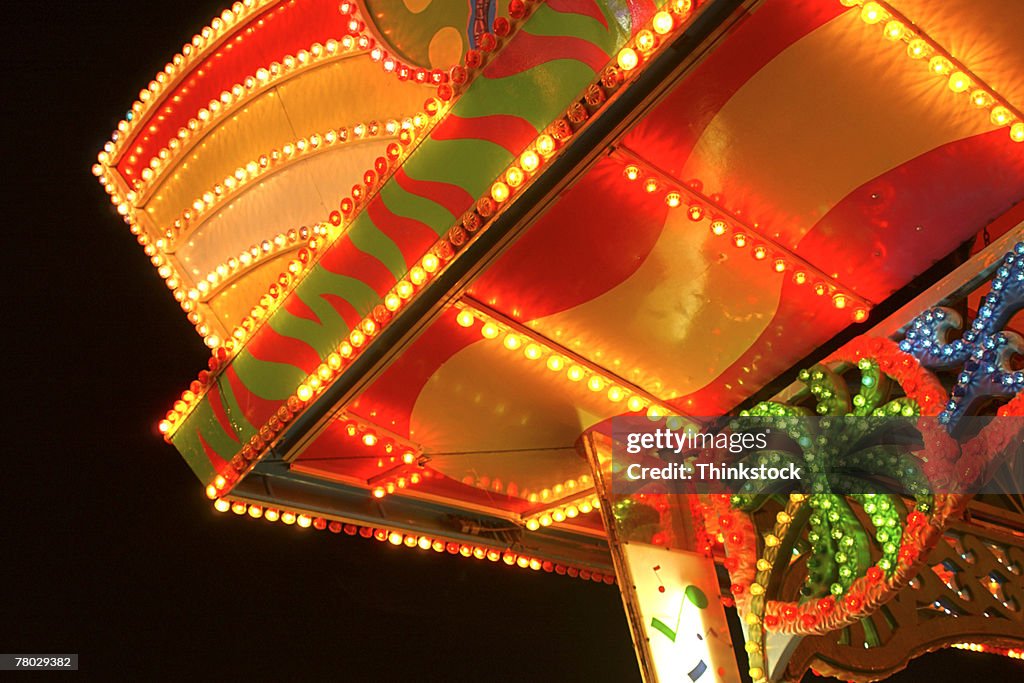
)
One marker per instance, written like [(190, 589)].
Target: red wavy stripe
[(560, 249), (413, 237), (217, 406), (391, 398), (216, 460), (507, 131), (668, 135), (452, 197), (300, 309), (587, 8), (269, 345), (257, 410), (892, 228), (801, 323), (526, 51), (284, 29), (343, 258), (345, 309)]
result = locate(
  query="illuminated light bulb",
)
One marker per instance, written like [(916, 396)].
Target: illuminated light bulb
[(514, 176), (662, 23), (631, 172), (575, 373), (650, 185), (695, 212), (545, 145), (220, 482), (571, 511), (512, 342), (940, 65), (894, 30), (304, 392), (615, 394), (304, 521), (595, 383), (872, 13), (555, 363), (959, 82), (529, 161), (645, 40), (719, 227), (211, 492), (417, 275), (545, 520), (369, 439), (860, 315), (164, 426), (673, 199), (739, 239), (345, 349), (839, 300), (981, 99), (635, 404), (392, 302), (918, 48), (395, 538), (760, 252), (820, 289), (558, 516), (771, 540), (404, 289), (379, 492), (271, 515), (499, 192), (627, 59), (1000, 116), (464, 318), (1017, 132), (780, 265), (221, 505), (586, 508), (533, 352), (424, 543), (431, 263), (255, 511), (489, 331), (356, 338), (800, 277), (849, 3), (532, 524), (655, 413), (522, 562)]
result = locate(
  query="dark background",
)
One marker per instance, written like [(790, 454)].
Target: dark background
[(109, 547)]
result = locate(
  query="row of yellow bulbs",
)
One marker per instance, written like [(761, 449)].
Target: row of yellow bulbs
[(537, 350), (562, 513), (264, 79), (397, 538), (278, 158), (252, 256), (982, 647), (741, 237), (207, 38), (939, 63), (646, 40)]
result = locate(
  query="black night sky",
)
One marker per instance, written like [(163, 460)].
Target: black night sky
[(110, 549)]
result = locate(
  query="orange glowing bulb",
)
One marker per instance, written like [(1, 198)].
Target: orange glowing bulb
[(379, 492), (615, 394), (220, 482), (645, 40), (662, 23), (595, 383), (959, 82), (555, 363), (1000, 116), (799, 277), (739, 239), (635, 404), (918, 48), (369, 439), (759, 252), (872, 13), (499, 192), (719, 227), (673, 199), (650, 185), (545, 145), (464, 318), (940, 65), (575, 373), (489, 330), (894, 30), (860, 315), (627, 59), (532, 351), (529, 161), (211, 492), (417, 275), (221, 505), (780, 265), (839, 300), (1017, 132), (304, 393), (514, 176), (271, 515), (981, 99), (631, 172), (431, 263), (512, 342)]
